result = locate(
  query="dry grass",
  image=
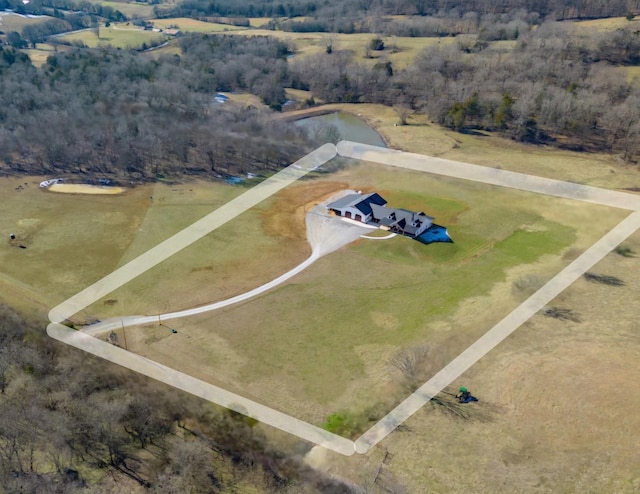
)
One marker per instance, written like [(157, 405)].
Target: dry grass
[(39, 55), (15, 22), (194, 26), (556, 392), (259, 21), (562, 417), (400, 51), (131, 9), (117, 36), (421, 136), (608, 24), (66, 248), (323, 349)]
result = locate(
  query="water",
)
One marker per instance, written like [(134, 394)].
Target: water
[(346, 126), (435, 233)]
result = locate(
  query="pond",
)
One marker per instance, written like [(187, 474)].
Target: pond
[(347, 127)]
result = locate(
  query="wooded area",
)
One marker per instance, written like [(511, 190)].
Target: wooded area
[(336, 16), (124, 114), (553, 86), (73, 423)]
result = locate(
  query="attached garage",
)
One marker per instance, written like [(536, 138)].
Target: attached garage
[(357, 206)]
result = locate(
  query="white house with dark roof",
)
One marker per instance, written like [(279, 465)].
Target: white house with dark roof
[(371, 208), (357, 206), (401, 220)]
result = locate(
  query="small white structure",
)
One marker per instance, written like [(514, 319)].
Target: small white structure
[(48, 183)]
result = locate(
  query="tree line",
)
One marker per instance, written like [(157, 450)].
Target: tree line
[(72, 423), (337, 15), (126, 114), (554, 86)]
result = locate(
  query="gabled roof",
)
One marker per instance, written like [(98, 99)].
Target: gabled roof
[(360, 202), (368, 201), (409, 221)]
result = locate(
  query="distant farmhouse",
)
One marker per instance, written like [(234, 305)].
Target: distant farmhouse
[(372, 209)]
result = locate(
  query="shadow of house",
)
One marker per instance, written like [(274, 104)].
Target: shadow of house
[(372, 209)]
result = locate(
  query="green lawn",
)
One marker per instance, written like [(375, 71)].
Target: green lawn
[(321, 336)]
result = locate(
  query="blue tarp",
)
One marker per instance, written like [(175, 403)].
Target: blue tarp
[(435, 233)]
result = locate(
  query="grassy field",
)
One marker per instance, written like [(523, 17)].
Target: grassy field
[(132, 10), (193, 26), (550, 417), (259, 21), (607, 24), (65, 247), (399, 50), (328, 330), (117, 36), (15, 22), (555, 411), (421, 136), (41, 52)]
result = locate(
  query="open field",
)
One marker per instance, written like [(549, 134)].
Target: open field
[(401, 51), (607, 24), (193, 26), (555, 414), (15, 22), (105, 230), (259, 21), (49, 225), (550, 418), (132, 10), (327, 329), (117, 36), (421, 136), (41, 52)]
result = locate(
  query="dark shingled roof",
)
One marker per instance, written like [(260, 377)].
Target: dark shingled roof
[(361, 202), (409, 221)]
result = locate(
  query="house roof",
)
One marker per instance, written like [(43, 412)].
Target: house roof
[(362, 203), (409, 221)]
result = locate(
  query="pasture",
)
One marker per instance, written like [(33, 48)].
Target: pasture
[(550, 412), (259, 21), (487, 149), (16, 22), (133, 10), (606, 24), (41, 52), (73, 240), (64, 246), (401, 51), (194, 26), (320, 343), (116, 36)]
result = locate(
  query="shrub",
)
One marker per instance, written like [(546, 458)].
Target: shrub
[(624, 251)]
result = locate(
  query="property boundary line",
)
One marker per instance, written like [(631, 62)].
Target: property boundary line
[(282, 179)]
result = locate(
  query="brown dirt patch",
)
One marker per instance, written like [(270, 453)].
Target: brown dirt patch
[(286, 216)]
